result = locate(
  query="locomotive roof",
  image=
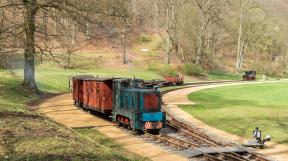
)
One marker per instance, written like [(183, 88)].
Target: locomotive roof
[(141, 89)]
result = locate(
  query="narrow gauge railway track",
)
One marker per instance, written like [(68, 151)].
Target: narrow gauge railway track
[(182, 145), (202, 139), (197, 84), (191, 132)]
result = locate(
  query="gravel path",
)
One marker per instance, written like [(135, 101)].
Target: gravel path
[(180, 97), (61, 109)]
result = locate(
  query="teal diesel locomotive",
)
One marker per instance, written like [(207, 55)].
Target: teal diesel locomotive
[(128, 101)]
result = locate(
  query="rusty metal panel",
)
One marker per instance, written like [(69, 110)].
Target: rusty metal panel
[(95, 96), (151, 102), (75, 89), (98, 94), (175, 79), (78, 90), (106, 97), (78, 87), (85, 92), (91, 93)]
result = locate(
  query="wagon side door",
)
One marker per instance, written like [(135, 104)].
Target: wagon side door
[(97, 95)]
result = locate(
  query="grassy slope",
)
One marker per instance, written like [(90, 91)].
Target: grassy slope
[(27, 136), (55, 79), (107, 63), (239, 109)]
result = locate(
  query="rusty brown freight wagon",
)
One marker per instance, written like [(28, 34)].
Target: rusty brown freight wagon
[(97, 94), (77, 91), (175, 80)]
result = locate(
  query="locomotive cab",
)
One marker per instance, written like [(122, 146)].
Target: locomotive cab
[(136, 107), (151, 114)]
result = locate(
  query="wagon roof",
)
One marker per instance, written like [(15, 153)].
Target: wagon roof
[(99, 79), (91, 77), (82, 76)]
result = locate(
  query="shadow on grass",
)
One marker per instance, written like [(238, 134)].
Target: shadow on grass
[(65, 157), (32, 137), (28, 136), (12, 95)]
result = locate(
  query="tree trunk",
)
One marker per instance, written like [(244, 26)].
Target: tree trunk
[(239, 38), (174, 29), (200, 46), (167, 50), (69, 59), (124, 47), (87, 33), (243, 49), (168, 40), (73, 36), (29, 45)]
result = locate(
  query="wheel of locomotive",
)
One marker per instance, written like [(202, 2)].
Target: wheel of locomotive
[(126, 123), (139, 132), (130, 126), (118, 124), (154, 131)]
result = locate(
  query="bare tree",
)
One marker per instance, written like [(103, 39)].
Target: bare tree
[(26, 30), (31, 8), (126, 27), (170, 9), (208, 16), (251, 29)]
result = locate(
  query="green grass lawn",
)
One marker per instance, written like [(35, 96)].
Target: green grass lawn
[(214, 76), (29, 136), (239, 109), (224, 76), (51, 78)]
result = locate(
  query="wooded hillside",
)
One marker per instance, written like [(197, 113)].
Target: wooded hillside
[(198, 35)]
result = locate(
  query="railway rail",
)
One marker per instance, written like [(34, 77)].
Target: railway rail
[(197, 84), (192, 138), (195, 138)]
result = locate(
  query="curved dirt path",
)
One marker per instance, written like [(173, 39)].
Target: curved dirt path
[(180, 97), (61, 109)]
